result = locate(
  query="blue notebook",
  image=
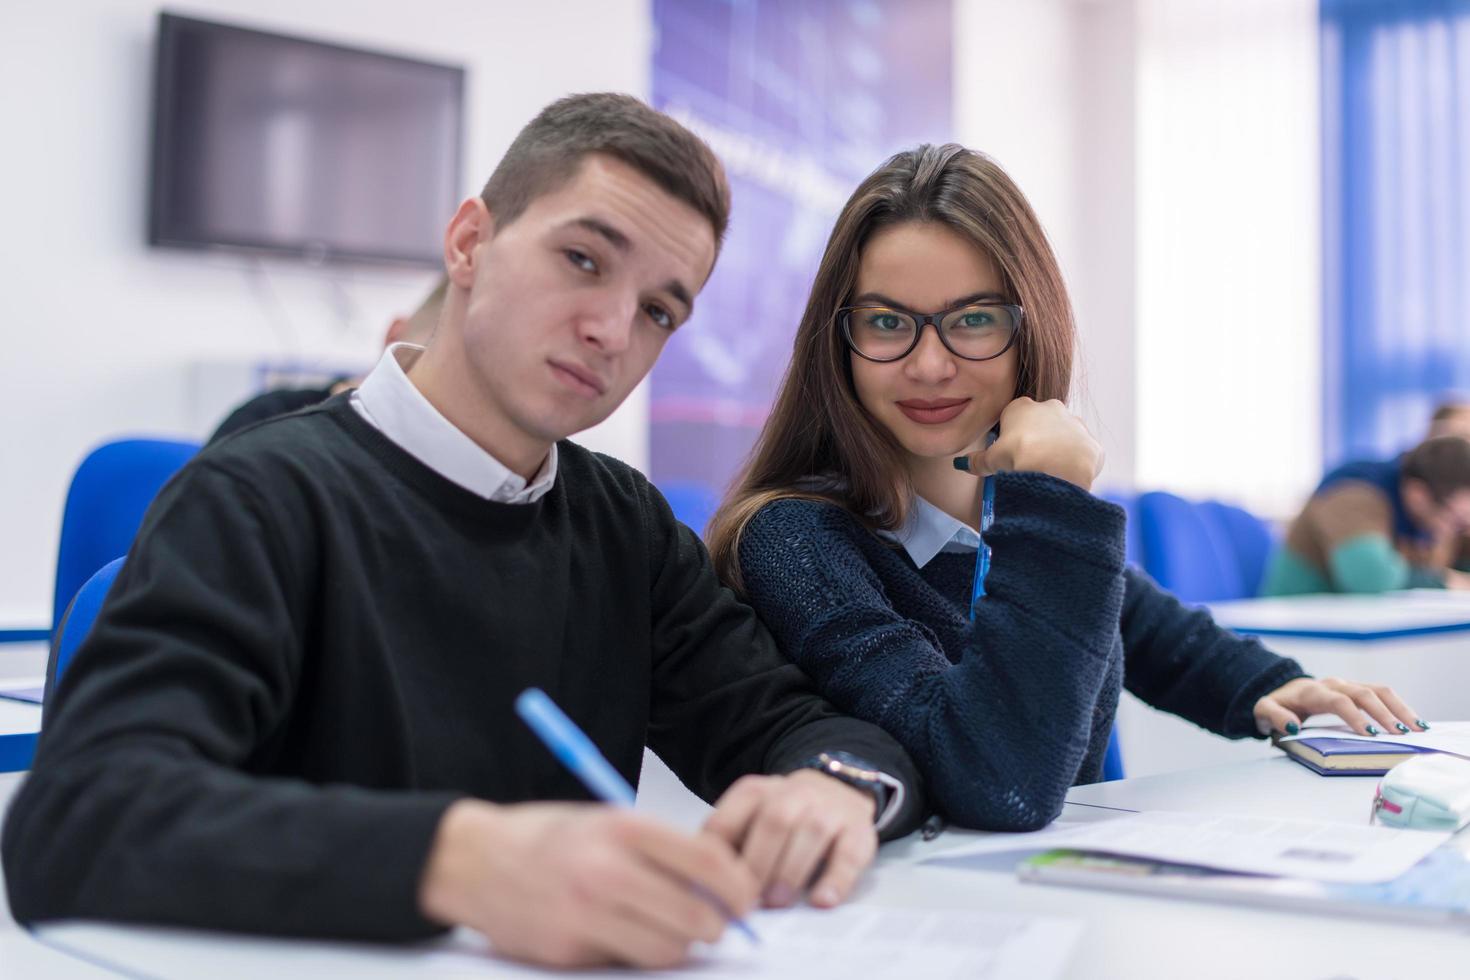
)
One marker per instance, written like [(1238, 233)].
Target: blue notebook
[(1328, 756)]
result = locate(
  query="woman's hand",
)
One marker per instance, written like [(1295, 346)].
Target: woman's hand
[(1439, 552), (1360, 705), (1041, 437)]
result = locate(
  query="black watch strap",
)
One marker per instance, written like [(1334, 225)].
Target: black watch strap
[(887, 792)]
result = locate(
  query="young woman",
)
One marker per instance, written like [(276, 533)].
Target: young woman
[(938, 313)]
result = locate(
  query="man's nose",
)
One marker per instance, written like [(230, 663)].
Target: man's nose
[(607, 324)]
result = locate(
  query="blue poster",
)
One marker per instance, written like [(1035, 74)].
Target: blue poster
[(801, 99)]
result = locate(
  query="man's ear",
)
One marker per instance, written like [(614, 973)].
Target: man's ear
[(1417, 496), (471, 225), (396, 330)]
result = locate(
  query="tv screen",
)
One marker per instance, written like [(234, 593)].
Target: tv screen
[(293, 146)]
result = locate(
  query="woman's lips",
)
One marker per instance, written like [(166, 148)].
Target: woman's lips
[(932, 411)]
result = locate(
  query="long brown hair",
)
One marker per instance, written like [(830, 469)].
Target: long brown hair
[(818, 441)]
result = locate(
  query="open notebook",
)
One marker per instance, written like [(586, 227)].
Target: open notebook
[(1434, 891)]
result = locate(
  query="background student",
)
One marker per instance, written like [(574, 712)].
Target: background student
[(1450, 418), (415, 328), (293, 714), (938, 312), (1374, 526)]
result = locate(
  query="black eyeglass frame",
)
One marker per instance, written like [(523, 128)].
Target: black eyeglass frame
[(923, 320)]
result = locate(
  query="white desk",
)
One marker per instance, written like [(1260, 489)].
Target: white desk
[(1391, 615), (1127, 936), (23, 659), (20, 722), (21, 625), (1416, 642)]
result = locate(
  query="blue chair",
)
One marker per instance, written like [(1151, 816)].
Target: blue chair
[(1249, 537), (1187, 551), (18, 749), (693, 503), (105, 504), (1113, 761), (77, 622)]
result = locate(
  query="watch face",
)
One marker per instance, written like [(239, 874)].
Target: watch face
[(849, 765), (861, 775)]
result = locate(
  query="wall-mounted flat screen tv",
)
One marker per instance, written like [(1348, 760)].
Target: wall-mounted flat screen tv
[(293, 146)]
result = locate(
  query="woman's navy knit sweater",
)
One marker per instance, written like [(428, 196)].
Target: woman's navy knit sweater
[(1005, 714)]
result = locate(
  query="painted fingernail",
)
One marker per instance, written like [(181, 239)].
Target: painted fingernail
[(1292, 728), (1372, 729), (779, 895), (1422, 723), (1401, 727), (962, 463)]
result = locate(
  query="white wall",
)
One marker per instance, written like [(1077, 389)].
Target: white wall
[(1046, 88), (100, 331), (1171, 150), (1229, 250), (1103, 278), (1015, 84)]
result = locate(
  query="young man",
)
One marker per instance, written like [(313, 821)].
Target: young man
[(1452, 418), (294, 714), (1376, 526), (416, 328)]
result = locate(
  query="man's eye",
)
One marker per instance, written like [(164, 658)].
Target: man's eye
[(660, 316), (581, 260)]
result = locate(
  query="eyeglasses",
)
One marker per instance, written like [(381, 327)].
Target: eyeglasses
[(974, 332)]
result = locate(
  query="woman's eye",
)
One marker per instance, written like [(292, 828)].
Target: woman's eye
[(581, 260), (977, 319), (884, 321), (660, 316)]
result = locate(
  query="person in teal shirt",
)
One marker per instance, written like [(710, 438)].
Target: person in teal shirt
[(1377, 526)]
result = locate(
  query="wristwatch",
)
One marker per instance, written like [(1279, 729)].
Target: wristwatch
[(887, 792)]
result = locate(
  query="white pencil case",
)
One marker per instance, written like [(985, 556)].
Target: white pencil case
[(1427, 792)]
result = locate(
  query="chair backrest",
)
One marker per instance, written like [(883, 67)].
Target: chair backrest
[(1251, 540), (76, 622), (693, 502), (1186, 550), (1113, 761), (105, 504)]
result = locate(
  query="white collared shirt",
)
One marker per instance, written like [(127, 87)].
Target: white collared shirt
[(393, 405), (927, 531)]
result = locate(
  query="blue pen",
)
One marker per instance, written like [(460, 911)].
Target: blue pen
[(575, 751), (982, 553)]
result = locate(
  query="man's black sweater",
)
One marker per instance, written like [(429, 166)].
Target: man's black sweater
[(313, 648)]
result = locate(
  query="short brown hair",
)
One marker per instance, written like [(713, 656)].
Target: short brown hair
[(1442, 463), (549, 151), (1447, 410), (818, 431)]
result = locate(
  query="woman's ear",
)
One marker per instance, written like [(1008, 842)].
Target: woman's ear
[(471, 225)]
